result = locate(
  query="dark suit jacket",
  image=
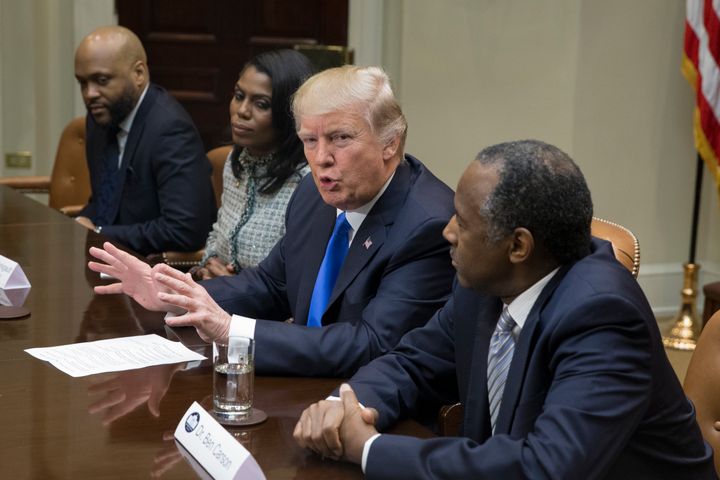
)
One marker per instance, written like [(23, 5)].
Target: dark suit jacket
[(590, 392), (396, 274), (164, 200)]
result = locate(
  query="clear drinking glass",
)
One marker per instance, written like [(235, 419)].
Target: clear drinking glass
[(233, 377)]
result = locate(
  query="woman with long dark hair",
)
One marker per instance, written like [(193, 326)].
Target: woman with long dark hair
[(266, 164)]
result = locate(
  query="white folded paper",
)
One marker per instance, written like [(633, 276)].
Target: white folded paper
[(14, 285), (115, 354), (214, 448)]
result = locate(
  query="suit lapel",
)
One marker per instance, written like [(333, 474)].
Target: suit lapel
[(366, 242), (477, 411), (127, 172), (523, 347), (373, 231)]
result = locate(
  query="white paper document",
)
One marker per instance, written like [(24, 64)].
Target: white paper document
[(14, 285), (115, 354)]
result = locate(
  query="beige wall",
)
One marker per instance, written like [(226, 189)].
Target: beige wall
[(599, 78), (38, 93)]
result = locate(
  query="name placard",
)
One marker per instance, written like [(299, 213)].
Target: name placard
[(214, 448), (14, 285)]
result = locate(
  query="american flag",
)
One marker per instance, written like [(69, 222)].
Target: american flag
[(701, 57)]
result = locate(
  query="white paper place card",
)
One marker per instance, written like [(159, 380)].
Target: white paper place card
[(14, 285), (214, 448)]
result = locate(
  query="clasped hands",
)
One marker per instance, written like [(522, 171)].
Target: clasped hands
[(337, 429), (161, 288)]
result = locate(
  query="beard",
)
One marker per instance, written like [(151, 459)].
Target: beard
[(117, 110), (121, 108)]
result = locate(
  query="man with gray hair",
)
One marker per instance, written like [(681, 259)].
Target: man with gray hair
[(363, 259), (547, 340)]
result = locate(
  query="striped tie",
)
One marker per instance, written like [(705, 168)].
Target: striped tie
[(502, 346)]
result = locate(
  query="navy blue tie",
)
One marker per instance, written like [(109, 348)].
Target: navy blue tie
[(335, 254), (108, 180)]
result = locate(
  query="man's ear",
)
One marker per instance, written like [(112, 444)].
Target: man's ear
[(139, 73), (522, 245), (391, 148)]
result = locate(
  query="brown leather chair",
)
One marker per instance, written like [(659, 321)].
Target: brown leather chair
[(625, 243), (627, 250), (702, 384), (217, 157), (186, 260), (68, 186)]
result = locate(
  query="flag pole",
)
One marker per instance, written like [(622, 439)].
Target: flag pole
[(686, 328)]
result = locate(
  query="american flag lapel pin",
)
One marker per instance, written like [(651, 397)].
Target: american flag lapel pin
[(367, 244)]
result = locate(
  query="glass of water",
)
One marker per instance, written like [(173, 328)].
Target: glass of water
[(233, 378)]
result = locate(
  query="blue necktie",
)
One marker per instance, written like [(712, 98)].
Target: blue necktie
[(335, 254), (502, 347), (108, 180)]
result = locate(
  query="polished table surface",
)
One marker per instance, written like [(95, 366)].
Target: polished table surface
[(55, 426)]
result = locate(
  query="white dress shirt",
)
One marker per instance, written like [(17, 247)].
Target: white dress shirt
[(245, 326)]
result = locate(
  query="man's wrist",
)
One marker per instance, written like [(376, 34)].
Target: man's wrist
[(98, 229), (366, 451)]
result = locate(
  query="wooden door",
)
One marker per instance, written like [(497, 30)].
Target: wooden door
[(196, 48)]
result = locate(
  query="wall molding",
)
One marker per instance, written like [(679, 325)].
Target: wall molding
[(662, 283)]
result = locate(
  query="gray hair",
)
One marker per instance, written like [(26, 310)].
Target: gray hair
[(539, 188)]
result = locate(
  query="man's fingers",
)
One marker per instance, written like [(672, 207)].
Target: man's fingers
[(301, 431), (100, 254), (173, 284), (171, 272), (109, 289), (182, 301), (348, 397), (369, 415)]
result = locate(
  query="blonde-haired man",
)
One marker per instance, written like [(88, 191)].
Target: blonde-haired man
[(363, 260)]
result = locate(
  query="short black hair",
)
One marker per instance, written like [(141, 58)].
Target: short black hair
[(287, 70), (539, 188)]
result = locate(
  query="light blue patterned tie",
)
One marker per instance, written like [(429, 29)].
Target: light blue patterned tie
[(502, 346), (335, 254)]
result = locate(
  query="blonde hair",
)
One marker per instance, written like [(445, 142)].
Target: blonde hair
[(349, 87)]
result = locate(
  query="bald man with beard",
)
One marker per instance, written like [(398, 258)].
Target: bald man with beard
[(151, 187)]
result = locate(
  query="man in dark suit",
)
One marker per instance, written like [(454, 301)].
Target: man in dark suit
[(151, 187), (386, 205), (547, 341)]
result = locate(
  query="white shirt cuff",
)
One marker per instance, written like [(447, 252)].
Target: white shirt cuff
[(366, 450), (242, 326)]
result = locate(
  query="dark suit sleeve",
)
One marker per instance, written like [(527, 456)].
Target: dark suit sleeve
[(600, 383), (182, 180), (411, 287), (258, 292)]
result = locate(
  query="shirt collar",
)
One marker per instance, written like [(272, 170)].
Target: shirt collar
[(523, 303), (126, 124), (356, 217)]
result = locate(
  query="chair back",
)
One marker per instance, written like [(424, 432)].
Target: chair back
[(186, 260), (702, 384), (70, 179), (217, 157), (625, 244)]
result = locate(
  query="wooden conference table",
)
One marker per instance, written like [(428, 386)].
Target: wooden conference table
[(56, 426)]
